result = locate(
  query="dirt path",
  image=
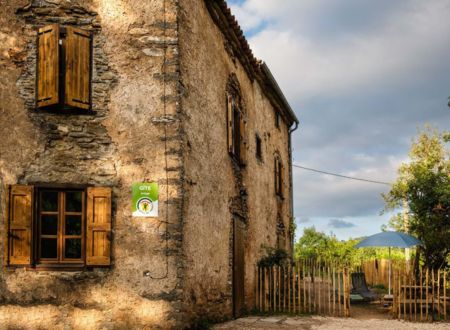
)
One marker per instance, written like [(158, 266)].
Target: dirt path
[(370, 311), (326, 323)]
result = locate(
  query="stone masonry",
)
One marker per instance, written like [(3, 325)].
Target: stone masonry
[(160, 74)]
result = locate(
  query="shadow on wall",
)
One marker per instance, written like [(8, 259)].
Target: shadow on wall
[(128, 312)]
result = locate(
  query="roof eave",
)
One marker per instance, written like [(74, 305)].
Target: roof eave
[(232, 32)]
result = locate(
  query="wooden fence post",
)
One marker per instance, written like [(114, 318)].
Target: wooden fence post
[(283, 280), (274, 293), (289, 288), (438, 293), (400, 294), (426, 294), (421, 294), (279, 288), (432, 291), (304, 287), (415, 285), (410, 296), (266, 289), (334, 290), (319, 288), (299, 287), (445, 295), (394, 293), (340, 290), (346, 292), (309, 286), (329, 288)]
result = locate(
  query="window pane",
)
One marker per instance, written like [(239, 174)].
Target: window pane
[(49, 200), (73, 201), (48, 248), (49, 224), (73, 224), (73, 248)]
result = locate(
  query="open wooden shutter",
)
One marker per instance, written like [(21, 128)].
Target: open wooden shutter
[(20, 225), (243, 139), (48, 66), (281, 174), (78, 68), (98, 234), (230, 122), (277, 175)]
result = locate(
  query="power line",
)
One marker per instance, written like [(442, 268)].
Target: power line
[(340, 175)]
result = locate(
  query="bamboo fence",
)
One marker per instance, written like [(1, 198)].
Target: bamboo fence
[(305, 287), (316, 287), (421, 297)]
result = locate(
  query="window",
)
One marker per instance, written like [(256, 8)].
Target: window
[(60, 226), (277, 119), (278, 171), (54, 227), (258, 147), (237, 144), (64, 68)]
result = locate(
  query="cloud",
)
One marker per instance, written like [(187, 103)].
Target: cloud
[(320, 195), (304, 220), (362, 76), (340, 224)]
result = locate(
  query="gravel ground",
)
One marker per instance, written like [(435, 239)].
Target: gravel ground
[(325, 323)]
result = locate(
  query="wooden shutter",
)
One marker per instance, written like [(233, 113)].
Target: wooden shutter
[(277, 175), (98, 234), (78, 68), (20, 225), (242, 139), (230, 123), (48, 66), (281, 173)]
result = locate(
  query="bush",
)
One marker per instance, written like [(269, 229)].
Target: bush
[(274, 257)]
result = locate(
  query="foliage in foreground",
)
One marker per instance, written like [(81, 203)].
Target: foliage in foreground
[(274, 257), (424, 183)]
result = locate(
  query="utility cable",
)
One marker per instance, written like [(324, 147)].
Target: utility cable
[(341, 176)]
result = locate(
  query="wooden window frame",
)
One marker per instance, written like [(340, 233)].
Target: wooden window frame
[(60, 236)]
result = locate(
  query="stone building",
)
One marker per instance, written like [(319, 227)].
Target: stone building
[(97, 95)]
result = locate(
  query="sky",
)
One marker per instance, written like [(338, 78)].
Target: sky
[(362, 76)]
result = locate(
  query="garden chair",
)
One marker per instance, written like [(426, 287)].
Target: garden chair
[(359, 286)]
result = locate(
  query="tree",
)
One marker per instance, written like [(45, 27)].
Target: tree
[(424, 183), (313, 244), (318, 245)]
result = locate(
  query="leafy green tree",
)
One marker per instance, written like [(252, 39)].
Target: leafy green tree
[(424, 183), (318, 245), (312, 245), (396, 222)]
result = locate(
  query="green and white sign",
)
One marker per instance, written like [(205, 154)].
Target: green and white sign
[(145, 199)]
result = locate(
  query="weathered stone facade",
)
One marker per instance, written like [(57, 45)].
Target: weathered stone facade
[(160, 75)]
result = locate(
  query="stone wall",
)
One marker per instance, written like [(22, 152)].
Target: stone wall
[(133, 135), (161, 69), (215, 187)]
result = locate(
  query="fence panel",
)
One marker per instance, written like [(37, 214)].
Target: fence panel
[(318, 287), (306, 287), (421, 297)]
